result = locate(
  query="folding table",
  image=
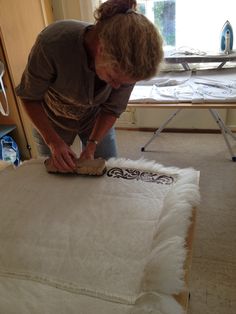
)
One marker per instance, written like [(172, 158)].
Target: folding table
[(203, 89), (225, 130)]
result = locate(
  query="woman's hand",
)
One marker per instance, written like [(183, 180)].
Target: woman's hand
[(88, 152), (63, 158)]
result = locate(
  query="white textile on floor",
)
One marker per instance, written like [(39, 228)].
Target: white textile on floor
[(112, 244)]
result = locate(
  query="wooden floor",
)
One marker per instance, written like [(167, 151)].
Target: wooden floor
[(3, 164)]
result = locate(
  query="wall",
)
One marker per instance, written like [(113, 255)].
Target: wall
[(186, 119), (231, 118)]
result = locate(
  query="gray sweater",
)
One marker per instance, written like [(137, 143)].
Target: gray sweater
[(58, 75)]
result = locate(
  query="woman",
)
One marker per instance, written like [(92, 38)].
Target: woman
[(79, 78)]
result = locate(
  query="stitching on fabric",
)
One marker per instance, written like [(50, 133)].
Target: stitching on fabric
[(70, 287)]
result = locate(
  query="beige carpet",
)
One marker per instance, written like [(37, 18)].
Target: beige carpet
[(213, 275)]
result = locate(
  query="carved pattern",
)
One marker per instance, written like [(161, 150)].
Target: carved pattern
[(146, 176)]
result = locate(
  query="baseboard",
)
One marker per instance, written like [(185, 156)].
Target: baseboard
[(174, 130)]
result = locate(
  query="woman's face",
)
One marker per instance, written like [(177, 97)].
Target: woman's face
[(107, 73)]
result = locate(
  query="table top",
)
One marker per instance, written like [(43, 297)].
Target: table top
[(164, 105), (191, 58)]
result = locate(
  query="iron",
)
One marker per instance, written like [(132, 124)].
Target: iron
[(227, 38)]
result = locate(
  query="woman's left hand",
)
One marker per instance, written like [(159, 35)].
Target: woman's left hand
[(103, 123), (88, 152)]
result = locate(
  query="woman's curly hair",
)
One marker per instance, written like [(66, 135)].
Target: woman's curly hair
[(130, 41)]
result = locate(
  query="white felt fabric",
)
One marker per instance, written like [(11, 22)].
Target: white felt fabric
[(106, 243)]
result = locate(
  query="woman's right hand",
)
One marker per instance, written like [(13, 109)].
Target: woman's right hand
[(63, 158)]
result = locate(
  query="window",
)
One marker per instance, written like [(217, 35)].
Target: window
[(162, 14), (190, 26), (195, 24)]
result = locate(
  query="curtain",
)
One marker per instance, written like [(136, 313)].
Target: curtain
[(74, 9), (86, 9)]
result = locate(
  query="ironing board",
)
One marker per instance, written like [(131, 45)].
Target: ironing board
[(193, 85), (225, 130), (117, 244), (184, 59)]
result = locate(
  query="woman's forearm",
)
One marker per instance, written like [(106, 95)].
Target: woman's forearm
[(102, 125), (41, 122)]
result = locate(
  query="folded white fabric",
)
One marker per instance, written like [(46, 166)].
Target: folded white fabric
[(117, 239), (198, 87)]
